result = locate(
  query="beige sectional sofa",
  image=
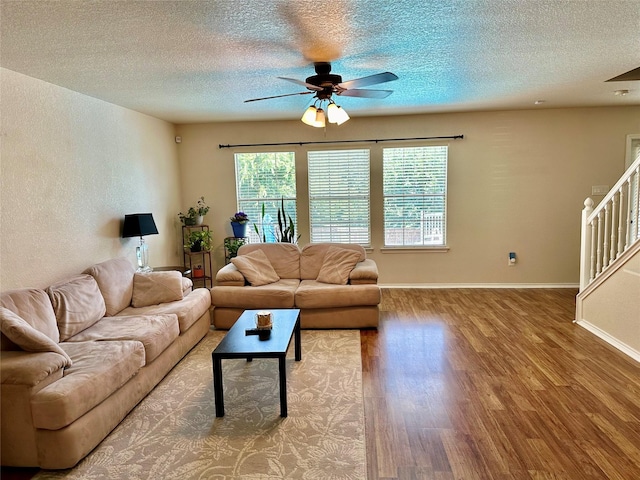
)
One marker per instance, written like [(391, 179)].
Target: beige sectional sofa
[(79, 355), (333, 285)]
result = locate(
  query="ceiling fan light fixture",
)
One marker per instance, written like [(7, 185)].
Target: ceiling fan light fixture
[(336, 114), (320, 119), (309, 116)]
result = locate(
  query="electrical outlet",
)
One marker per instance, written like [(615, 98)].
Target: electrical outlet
[(512, 259)]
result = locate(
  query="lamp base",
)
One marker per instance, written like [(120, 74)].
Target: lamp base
[(142, 255)]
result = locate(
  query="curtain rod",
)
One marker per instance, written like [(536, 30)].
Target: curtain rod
[(453, 137)]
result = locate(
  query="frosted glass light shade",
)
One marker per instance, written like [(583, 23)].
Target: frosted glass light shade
[(309, 116), (336, 114), (320, 118)]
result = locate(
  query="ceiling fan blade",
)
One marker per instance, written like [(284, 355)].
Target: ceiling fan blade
[(277, 96), (300, 82), (370, 80), (361, 92), (628, 76)]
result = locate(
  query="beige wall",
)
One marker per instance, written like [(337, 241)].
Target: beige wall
[(517, 182), (614, 307), (72, 167)]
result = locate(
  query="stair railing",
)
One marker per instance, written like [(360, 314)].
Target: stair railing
[(611, 228)]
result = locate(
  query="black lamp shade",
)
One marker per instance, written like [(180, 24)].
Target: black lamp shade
[(139, 225)]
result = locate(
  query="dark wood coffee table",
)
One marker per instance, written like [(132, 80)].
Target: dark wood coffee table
[(237, 344)]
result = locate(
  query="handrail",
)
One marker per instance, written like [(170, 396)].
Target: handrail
[(611, 228)]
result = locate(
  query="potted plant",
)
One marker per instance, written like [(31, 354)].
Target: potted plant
[(286, 232), (239, 224), (232, 245), (198, 271), (195, 215), (199, 241)]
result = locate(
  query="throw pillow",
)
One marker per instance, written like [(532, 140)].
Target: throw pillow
[(256, 268), (156, 287), (16, 329), (337, 265)]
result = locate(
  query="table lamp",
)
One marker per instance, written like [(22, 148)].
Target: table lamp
[(139, 225)]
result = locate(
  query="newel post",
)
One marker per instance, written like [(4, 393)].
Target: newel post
[(585, 244)]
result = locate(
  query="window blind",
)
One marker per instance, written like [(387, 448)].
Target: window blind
[(415, 196), (339, 196)]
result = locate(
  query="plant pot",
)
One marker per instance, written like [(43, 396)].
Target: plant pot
[(196, 247), (200, 220), (189, 221), (239, 229)]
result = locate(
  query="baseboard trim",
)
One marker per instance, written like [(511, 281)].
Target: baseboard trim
[(479, 285), (614, 342)]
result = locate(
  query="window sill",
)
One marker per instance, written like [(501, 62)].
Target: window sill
[(416, 249)]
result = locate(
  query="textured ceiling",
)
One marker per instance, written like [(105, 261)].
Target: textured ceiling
[(196, 61)]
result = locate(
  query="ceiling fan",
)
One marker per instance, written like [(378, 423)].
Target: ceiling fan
[(324, 84)]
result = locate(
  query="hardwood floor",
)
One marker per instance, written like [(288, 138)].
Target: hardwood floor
[(496, 384), (480, 384)]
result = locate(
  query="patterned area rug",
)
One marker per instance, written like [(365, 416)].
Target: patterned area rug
[(174, 433)]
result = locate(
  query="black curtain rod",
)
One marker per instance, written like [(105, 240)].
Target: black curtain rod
[(452, 137)]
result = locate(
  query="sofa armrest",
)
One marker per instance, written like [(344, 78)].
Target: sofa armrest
[(365, 272), (30, 368), (230, 276)]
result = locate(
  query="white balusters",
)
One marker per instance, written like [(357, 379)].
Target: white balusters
[(609, 229), (621, 229)]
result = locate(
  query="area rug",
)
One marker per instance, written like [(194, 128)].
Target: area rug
[(174, 433)]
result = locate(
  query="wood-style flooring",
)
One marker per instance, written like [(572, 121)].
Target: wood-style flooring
[(496, 384), (489, 384)]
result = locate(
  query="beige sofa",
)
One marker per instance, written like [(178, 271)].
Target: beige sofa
[(333, 285), (79, 355)]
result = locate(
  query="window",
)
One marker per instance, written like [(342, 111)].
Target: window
[(266, 179), (339, 196), (415, 196)]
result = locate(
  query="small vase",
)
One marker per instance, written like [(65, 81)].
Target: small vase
[(239, 229)]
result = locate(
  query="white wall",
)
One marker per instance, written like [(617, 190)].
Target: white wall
[(517, 182), (72, 166)]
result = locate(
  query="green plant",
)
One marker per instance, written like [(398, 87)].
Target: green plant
[(262, 237), (199, 240), (233, 244), (240, 217), (199, 210), (286, 228)]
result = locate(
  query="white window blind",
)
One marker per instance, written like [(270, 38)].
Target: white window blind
[(265, 178), (415, 196), (339, 196)]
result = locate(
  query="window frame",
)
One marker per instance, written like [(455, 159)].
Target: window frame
[(345, 193), (412, 247)]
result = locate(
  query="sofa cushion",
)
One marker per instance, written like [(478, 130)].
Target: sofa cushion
[(187, 286), (337, 265), (32, 305), (156, 332), (275, 295), (77, 303), (256, 268), (99, 369), (313, 294), (156, 287), (188, 310), (115, 279), (284, 257), (26, 337), (312, 257)]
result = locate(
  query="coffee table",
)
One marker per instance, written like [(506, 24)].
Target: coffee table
[(237, 344)]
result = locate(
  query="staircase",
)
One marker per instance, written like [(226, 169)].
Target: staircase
[(608, 303)]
